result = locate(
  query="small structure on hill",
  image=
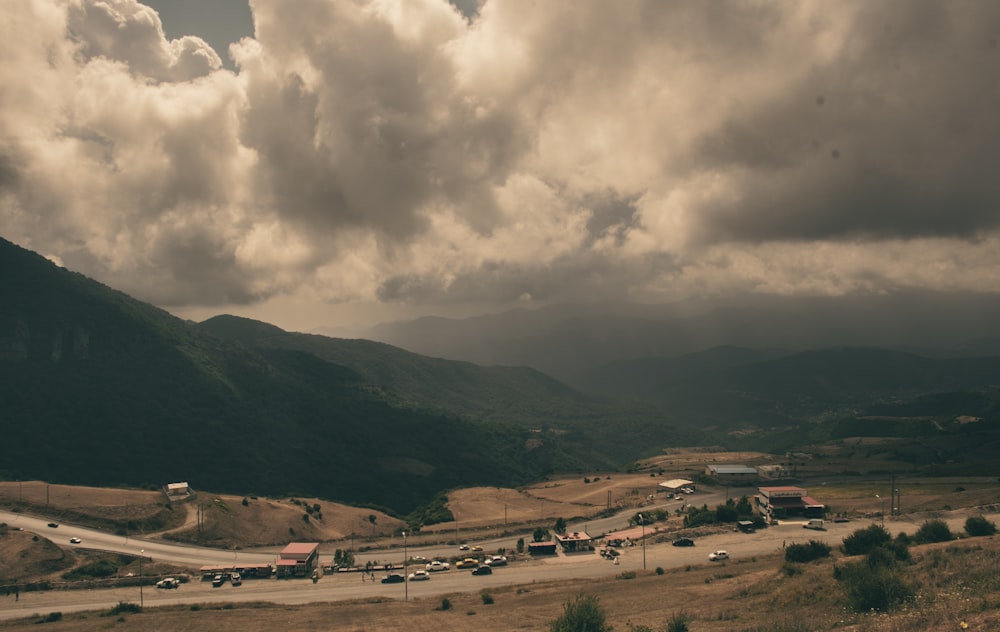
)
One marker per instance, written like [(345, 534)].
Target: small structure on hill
[(177, 491)]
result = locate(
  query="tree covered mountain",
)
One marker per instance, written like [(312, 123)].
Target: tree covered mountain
[(99, 388)]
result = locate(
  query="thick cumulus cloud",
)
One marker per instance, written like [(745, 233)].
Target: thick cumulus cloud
[(412, 152)]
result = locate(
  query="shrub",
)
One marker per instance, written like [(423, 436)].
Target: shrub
[(934, 531), (864, 540), (100, 568), (124, 606), (445, 604), (979, 526), (678, 623), (487, 598), (659, 570), (583, 614), (868, 588), (802, 553)]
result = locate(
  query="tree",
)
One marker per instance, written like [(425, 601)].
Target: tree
[(979, 526), (560, 526), (582, 614), (864, 540), (933, 531), (806, 552), (540, 534)]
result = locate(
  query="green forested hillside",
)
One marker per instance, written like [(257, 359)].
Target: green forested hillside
[(101, 389)]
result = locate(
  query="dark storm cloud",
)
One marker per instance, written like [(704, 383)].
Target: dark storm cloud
[(892, 138), (417, 153)]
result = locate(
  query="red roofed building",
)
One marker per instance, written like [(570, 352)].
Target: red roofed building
[(298, 558), (778, 503)]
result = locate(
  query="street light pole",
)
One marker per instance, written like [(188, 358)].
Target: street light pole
[(406, 578), (642, 521), (141, 553), (882, 511)]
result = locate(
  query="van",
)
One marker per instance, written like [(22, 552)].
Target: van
[(814, 523)]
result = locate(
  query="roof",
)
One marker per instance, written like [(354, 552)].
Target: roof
[(576, 536), (287, 562), (732, 469), (297, 549), (676, 483)]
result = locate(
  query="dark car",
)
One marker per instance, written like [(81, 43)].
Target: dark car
[(395, 578), (53, 525), (482, 570), (683, 542)]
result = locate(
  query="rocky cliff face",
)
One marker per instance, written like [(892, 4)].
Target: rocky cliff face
[(16, 343)]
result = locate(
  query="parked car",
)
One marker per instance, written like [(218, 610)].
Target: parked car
[(236, 580), (75, 540), (438, 565), (419, 558), (417, 576), (463, 547), (394, 578), (496, 560), (469, 562), (168, 583), (217, 581), (477, 548), (683, 542), (716, 556), (482, 570), (54, 525)]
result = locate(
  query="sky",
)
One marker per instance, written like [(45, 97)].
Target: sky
[(330, 163)]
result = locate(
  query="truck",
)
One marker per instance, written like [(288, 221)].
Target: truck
[(814, 523)]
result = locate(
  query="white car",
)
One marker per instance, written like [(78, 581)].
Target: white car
[(716, 556), (496, 560), (438, 565), (75, 540), (417, 576)]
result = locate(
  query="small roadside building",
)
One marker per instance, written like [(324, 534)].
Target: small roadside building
[(732, 474), (574, 542), (297, 559), (542, 548), (778, 503), (675, 484)]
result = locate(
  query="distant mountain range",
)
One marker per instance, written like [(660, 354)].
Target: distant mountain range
[(566, 341), (98, 388)]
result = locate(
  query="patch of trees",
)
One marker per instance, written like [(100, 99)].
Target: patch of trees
[(729, 512)]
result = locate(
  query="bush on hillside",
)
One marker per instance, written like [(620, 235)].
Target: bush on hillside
[(803, 553), (864, 540), (933, 531), (583, 614), (979, 526)]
